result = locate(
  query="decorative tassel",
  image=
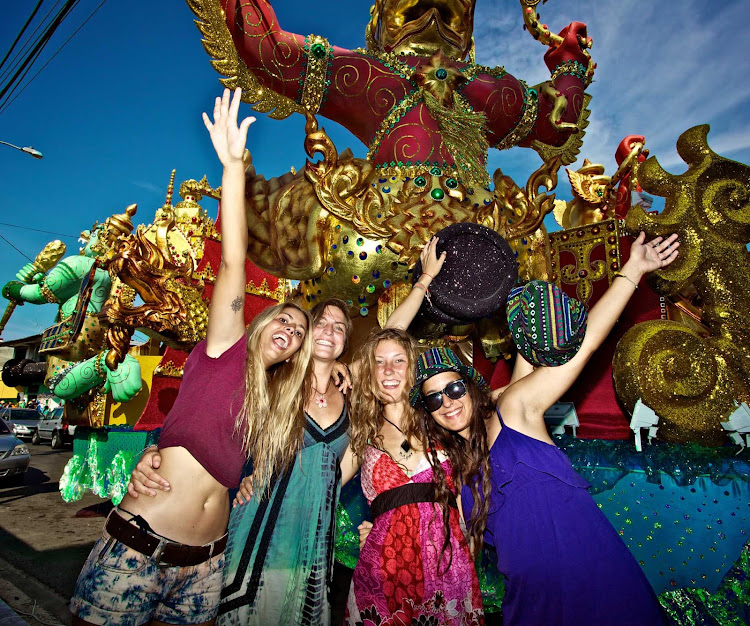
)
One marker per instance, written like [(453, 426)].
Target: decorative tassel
[(463, 131)]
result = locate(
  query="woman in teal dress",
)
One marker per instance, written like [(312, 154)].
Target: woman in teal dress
[(280, 549), (279, 555)]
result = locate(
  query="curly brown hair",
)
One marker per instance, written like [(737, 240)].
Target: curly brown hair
[(367, 407), (469, 458)]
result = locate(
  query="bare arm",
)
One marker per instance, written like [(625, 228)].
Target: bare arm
[(226, 321), (524, 402), (408, 309), (349, 465)]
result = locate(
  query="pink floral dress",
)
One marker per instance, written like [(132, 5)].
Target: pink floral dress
[(398, 579)]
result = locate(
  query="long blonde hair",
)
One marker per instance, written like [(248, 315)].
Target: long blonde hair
[(367, 407), (272, 420)]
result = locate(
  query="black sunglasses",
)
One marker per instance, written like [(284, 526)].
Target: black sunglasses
[(454, 390)]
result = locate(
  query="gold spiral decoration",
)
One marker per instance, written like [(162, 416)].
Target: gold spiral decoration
[(680, 375)]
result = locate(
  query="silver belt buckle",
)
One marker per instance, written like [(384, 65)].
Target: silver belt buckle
[(157, 554)]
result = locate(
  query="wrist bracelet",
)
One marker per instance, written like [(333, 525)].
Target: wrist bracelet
[(99, 367), (47, 293), (630, 280), (426, 274), (418, 284)]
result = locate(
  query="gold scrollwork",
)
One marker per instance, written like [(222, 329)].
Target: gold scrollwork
[(218, 42), (344, 189), (709, 207)]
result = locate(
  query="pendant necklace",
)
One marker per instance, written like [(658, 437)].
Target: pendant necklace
[(320, 400), (405, 447)]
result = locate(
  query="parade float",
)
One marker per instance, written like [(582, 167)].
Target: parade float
[(676, 365)]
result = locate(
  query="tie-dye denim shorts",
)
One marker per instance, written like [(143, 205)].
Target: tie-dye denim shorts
[(123, 587)]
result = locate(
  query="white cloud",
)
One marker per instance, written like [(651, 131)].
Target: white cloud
[(662, 68), (151, 187)]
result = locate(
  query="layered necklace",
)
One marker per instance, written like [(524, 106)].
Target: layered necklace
[(406, 450), (320, 397)]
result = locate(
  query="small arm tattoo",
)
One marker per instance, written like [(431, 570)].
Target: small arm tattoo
[(237, 304)]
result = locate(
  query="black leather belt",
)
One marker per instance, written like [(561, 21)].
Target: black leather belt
[(410, 493), (172, 553)]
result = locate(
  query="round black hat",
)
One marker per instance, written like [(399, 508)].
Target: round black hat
[(479, 271)]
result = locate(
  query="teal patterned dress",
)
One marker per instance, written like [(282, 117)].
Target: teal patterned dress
[(279, 556)]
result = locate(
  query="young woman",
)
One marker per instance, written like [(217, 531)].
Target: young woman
[(563, 562), (280, 548), (280, 551), (160, 559), (415, 565)]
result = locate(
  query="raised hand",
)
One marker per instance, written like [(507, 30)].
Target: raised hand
[(228, 138), (657, 253), (431, 262)]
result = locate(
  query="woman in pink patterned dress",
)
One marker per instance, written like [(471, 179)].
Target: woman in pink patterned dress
[(415, 566)]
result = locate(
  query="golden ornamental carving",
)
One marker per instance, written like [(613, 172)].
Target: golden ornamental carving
[(169, 370), (579, 244), (690, 380), (217, 41), (343, 188), (346, 229), (569, 151), (173, 309), (264, 290)]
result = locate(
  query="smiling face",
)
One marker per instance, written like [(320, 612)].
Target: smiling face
[(453, 415), (329, 334), (392, 367), (283, 336)]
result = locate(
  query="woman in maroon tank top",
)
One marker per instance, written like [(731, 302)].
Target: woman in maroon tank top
[(160, 559)]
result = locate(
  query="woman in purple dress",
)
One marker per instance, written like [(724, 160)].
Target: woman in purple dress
[(563, 562)]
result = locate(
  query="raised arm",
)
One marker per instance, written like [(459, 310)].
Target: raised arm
[(226, 322), (523, 404), (431, 265)]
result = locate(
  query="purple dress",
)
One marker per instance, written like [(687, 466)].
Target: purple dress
[(563, 562)]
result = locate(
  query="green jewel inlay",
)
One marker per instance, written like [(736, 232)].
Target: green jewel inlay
[(437, 194), (420, 181), (318, 50), (451, 183), (441, 74), (435, 171)]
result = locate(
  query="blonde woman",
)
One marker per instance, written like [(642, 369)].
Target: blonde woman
[(280, 548), (160, 559)]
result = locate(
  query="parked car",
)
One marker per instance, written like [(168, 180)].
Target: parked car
[(22, 422), (56, 428), (14, 455)]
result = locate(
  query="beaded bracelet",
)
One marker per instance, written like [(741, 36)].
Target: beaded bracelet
[(47, 293), (630, 280), (99, 367)]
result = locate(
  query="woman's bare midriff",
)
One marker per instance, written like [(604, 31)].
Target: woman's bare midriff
[(194, 511)]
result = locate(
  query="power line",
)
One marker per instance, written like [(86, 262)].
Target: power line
[(16, 249), (23, 30), (29, 42), (101, 4), (28, 62), (49, 232)]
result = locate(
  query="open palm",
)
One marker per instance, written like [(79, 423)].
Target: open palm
[(227, 137), (655, 254)]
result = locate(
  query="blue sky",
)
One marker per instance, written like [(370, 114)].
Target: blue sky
[(119, 107)]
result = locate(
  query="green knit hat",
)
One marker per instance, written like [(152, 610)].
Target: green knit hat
[(435, 361), (547, 325)]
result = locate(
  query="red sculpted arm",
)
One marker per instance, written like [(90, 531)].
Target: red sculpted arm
[(275, 57)]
